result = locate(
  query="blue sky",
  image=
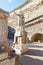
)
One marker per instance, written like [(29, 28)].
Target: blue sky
[(10, 4)]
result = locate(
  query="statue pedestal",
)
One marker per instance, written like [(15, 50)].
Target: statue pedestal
[(21, 44), (21, 48)]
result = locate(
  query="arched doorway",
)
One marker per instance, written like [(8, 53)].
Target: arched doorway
[(37, 37)]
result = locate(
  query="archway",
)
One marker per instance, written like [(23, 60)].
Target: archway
[(37, 37)]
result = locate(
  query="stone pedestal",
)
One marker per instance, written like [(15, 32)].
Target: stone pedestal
[(21, 44), (21, 48)]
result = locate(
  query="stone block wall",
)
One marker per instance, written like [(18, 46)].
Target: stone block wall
[(3, 25), (3, 29), (36, 28)]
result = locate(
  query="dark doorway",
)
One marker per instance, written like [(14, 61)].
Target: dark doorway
[(11, 32)]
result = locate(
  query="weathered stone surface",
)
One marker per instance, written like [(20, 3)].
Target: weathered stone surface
[(3, 25), (24, 37), (17, 60), (31, 11), (19, 39), (3, 55), (3, 29), (5, 61), (9, 62), (21, 45), (17, 34), (5, 46), (20, 48)]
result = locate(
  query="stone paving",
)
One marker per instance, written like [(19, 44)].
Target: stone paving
[(34, 56), (5, 60)]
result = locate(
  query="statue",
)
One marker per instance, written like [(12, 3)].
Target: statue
[(21, 21), (21, 25), (20, 37)]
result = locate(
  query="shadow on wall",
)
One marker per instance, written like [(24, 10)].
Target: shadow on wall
[(11, 32), (37, 37)]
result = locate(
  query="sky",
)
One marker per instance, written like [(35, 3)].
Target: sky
[(9, 5)]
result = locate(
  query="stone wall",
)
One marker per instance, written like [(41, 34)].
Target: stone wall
[(3, 29), (31, 10), (3, 25), (13, 20), (36, 27)]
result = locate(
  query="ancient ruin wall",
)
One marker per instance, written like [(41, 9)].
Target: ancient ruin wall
[(3, 25), (36, 27)]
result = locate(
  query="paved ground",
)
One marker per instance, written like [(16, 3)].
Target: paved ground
[(34, 56)]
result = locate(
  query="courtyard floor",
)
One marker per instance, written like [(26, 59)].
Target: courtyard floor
[(34, 56)]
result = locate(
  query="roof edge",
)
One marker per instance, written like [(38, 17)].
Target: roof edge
[(26, 2)]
